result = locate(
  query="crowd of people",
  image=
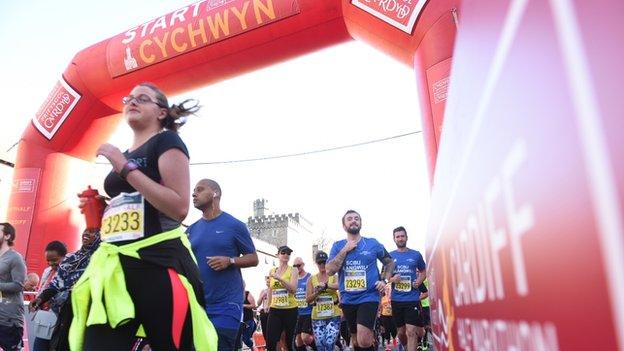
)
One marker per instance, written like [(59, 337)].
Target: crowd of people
[(142, 282)]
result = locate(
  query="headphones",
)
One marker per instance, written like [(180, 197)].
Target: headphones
[(214, 195)]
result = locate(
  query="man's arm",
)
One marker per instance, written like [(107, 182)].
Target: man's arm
[(249, 257), (18, 276), (248, 260), (388, 265), (422, 275), (245, 246), (333, 265), (422, 270)]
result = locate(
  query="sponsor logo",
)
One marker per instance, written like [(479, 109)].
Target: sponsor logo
[(401, 14), (24, 185), (59, 104)]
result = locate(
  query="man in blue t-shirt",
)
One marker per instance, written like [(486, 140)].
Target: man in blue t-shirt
[(222, 246), (355, 261), (409, 273)]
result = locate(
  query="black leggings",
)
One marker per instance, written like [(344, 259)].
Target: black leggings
[(281, 320), (263, 324), (150, 288)]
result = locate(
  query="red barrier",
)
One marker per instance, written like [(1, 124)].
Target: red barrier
[(525, 236), (526, 232)]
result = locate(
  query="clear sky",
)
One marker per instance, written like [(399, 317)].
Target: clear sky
[(338, 96)]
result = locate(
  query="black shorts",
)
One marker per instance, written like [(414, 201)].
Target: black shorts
[(425, 315), (11, 338), (406, 313), (304, 324), (363, 314)]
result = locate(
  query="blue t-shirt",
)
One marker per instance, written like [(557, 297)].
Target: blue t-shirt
[(408, 264), (300, 296), (223, 290), (359, 272)]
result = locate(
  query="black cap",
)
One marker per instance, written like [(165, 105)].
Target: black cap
[(321, 257), (284, 248)]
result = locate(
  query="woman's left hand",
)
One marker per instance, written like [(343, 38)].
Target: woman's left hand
[(113, 154)]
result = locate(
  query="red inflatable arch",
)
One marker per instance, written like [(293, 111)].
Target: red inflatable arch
[(191, 47), (525, 244)]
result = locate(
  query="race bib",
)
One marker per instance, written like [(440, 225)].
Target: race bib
[(280, 298), (404, 285), (301, 300), (123, 218), (324, 307), (355, 281)]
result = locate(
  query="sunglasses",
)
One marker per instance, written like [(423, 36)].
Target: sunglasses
[(284, 253), (297, 265)]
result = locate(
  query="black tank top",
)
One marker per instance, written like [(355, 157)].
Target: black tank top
[(247, 312)]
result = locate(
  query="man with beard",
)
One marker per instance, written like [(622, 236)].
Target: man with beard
[(409, 273), (355, 261), (12, 276), (222, 245)]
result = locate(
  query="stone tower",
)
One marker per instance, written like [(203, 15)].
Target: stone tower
[(282, 229)]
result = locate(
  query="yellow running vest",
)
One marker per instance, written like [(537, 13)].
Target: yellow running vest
[(281, 298), (326, 305)]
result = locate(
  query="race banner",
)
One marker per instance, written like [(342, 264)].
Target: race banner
[(190, 28)]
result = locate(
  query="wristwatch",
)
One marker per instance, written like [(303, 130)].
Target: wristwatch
[(127, 168), (232, 262)]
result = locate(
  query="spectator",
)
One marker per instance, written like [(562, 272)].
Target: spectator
[(56, 293)]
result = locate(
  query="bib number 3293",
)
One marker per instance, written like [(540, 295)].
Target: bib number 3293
[(123, 218), (355, 280)]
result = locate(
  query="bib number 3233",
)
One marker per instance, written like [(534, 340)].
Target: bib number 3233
[(123, 218)]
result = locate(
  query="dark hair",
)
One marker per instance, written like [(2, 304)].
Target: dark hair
[(57, 246), (399, 229), (9, 230), (175, 113), (347, 213)]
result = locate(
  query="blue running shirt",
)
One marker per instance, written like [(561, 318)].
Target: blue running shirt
[(407, 266), (359, 272), (300, 295), (223, 290)]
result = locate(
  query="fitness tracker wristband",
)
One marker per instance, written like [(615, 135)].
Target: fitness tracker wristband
[(127, 168)]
